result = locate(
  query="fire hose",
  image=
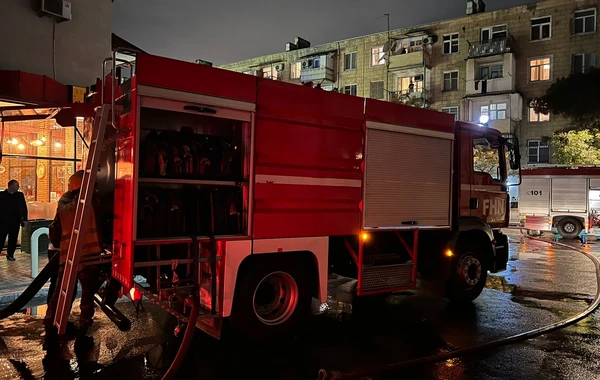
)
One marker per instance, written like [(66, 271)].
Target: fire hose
[(325, 374), (32, 289), (187, 340)]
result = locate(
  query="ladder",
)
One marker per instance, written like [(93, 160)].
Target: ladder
[(69, 279)]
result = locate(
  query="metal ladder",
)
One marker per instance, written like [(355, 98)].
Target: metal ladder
[(69, 279)]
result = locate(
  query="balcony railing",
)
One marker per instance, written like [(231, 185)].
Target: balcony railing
[(414, 98), (488, 48)]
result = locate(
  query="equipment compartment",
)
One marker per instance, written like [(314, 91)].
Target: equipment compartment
[(188, 146), (188, 210)]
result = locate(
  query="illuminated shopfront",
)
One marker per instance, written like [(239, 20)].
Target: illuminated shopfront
[(41, 155)]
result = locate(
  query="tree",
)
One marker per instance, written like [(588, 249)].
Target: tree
[(576, 98), (577, 147)]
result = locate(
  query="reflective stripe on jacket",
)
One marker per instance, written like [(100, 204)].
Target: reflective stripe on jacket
[(62, 226)]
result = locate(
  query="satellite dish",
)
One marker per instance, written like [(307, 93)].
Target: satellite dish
[(389, 45)]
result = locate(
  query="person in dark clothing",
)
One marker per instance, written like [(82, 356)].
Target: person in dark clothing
[(13, 214)]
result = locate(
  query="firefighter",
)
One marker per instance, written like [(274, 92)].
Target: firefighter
[(60, 234)]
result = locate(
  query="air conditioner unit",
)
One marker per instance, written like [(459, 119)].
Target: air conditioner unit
[(307, 64), (428, 40), (59, 9), (279, 67), (419, 78)]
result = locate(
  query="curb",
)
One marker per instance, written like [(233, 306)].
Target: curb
[(8, 298)]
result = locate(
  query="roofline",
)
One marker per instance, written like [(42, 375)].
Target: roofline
[(384, 33)]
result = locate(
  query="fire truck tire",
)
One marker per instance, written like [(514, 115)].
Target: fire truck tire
[(569, 228), (271, 297), (469, 273)]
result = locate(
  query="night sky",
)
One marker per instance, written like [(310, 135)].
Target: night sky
[(224, 31)]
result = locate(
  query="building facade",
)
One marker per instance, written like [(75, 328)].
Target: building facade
[(486, 63)]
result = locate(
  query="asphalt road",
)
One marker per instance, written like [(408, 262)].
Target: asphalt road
[(542, 285)]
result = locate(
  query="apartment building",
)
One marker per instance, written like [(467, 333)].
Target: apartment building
[(486, 63)]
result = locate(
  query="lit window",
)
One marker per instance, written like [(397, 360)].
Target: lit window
[(350, 89), (451, 81), (377, 56), (350, 61), (295, 70), (584, 21), (535, 117), (269, 73), (404, 84), (539, 69), (541, 28), (451, 44), (451, 110)]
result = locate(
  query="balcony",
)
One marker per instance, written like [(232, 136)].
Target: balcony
[(489, 48), (407, 60), (415, 99), (491, 74), (496, 85), (317, 74)]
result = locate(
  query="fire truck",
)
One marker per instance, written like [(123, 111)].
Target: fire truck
[(243, 194), (563, 197)]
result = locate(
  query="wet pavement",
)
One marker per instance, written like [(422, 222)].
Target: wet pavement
[(542, 285)]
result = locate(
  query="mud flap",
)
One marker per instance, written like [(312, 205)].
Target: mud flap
[(500, 252)]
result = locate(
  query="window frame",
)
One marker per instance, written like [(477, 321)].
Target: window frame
[(355, 60), (540, 68), (447, 109), (293, 69), (274, 75), (350, 87), (444, 89), (380, 54), (450, 43), (584, 67), (595, 16), (539, 116), (531, 26), (490, 29), (539, 145), (382, 89)]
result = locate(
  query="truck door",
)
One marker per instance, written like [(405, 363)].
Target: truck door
[(488, 187)]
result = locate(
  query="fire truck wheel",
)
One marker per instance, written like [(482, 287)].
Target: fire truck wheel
[(270, 298), (468, 276), (569, 228)]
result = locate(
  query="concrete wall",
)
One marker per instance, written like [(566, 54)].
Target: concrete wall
[(80, 44), (518, 20)]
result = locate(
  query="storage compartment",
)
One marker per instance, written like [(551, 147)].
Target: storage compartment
[(184, 210), (188, 146), (408, 176)]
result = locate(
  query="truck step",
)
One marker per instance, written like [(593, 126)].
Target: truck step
[(386, 276), (384, 259)]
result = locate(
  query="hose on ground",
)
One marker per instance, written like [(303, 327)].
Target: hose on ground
[(32, 289), (185, 344), (356, 373)]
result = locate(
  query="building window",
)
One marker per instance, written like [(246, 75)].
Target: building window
[(491, 72), (584, 21), (269, 72), (537, 153), (295, 70), (249, 72), (409, 84), (539, 69), (583, 62), (493, 33), (350, 61), (535, 117), (451, 110), (541, 28), (377, 90), (350, 90), (411, 45), (451, 81), (451, 43), (377, 55), (495, 111)]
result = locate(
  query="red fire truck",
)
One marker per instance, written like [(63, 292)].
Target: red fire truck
[(246, 193)]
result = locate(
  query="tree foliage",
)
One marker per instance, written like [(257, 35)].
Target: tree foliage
[(577, 147), (485, 159), (576, 97)]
